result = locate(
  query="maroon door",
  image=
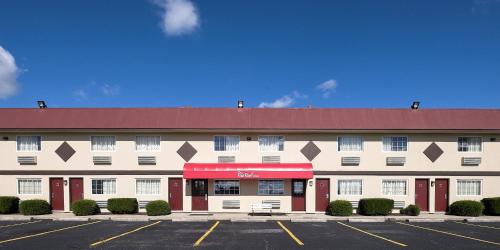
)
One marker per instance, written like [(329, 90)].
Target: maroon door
[(322, 194), (175, 193), (422, 194), (199, 195), (298, 195), (57, 193), (441, 195), (75, 189)]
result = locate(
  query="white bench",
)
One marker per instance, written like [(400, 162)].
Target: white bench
[(261, 208)]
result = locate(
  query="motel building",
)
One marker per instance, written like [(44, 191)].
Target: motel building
[(229, 159)]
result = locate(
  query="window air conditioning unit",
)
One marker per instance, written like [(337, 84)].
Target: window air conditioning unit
[(271, 159), (102, 160), (226, 159), (26, 160), (146, 160), (396, 161), (351, 161), (471, 161)]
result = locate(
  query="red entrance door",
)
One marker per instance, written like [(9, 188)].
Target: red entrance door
[(199, 195), (441, 195), (422, 194), (175, 193), (75, 189), (57, 193), (322, 194), (298, 195)]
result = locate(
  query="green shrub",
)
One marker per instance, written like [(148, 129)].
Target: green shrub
[(85, 207), (375, 206), (466, 208), (123, 205), (491, 206), (35, 207), (158, 207), (339, 208), (412, 210), (9, 204)]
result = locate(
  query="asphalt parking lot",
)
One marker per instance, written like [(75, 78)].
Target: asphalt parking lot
[(46, 234)]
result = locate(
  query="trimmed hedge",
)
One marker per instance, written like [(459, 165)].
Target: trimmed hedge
[(339, 208), (491, 206), (466, 208), (158, 207), (375, 206), (9, 204), (85, 207), (35, 207), (411, 210), (123, 205)]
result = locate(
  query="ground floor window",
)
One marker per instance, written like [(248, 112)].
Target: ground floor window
[(350, 187), (147, 186), (271, 187), (104, 186), (227, 187), (29, 186), (468, 187), (394, 187)]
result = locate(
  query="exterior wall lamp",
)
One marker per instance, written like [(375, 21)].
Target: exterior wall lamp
[(432, 183)]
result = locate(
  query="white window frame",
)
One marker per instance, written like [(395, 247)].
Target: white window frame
[(149, 179), (273, 151), (471, 152), (475, 195), (239, 188), (20, 151), (390, 151), (116, 185), (346, 151), (258, 188), (142, 151), (338, 187), (32, 179), (100, 151), (397, 195), (226, 151)]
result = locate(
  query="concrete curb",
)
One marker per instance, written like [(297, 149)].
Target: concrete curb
[(366, 219), (16, 218), (249, 220), (130, 219), (482, 220), (424, 220), (307, 220), (72, 219), (189, 219)]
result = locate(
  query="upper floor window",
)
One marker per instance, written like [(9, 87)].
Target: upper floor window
[(104, 186), (350, 187), (395, 143), (29, 186), (350, 143), (228, 143), (394, 187), (147, 143), (468, 187), (29, 143), (271, 143), (103, 143), (470, 144), (147, 186)]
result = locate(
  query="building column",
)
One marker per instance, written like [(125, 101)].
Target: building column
[(432, 195)]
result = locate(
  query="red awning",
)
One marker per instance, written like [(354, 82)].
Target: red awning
[(248, 171)]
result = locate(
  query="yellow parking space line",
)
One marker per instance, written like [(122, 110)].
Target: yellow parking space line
[(48, 232), (448, 233), (290, 233), (474, 225), (373, 235), (123, 234), (198, 242), (19, 224)]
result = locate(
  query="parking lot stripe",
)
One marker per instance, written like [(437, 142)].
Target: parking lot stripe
[(198, 242), (374, 235), (290, 233), (448, 233), (48, 232), (19, 224), (468, 224), (123, 234)]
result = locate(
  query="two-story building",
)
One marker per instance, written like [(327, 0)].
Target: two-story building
[(225, 159)]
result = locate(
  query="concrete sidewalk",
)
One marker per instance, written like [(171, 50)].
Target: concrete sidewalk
[(243, 217)]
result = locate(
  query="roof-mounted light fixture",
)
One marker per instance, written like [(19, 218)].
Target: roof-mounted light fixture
[(240, 104), (415, 105), (41, 104)]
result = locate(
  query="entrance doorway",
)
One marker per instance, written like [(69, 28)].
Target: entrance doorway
[(75, 190), (175, 193), (441, 197), (57, 193), (322, 194), (422, 194), (199, 195), (298, 195)]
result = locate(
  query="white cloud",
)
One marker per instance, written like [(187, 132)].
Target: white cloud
[(8, 74), (180, 17), (327, 87), (283, 102), (81, 94), (110, 90)]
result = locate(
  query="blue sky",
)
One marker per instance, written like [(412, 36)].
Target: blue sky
[(164, 53)]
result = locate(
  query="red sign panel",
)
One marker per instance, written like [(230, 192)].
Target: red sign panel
[(248, 171)]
